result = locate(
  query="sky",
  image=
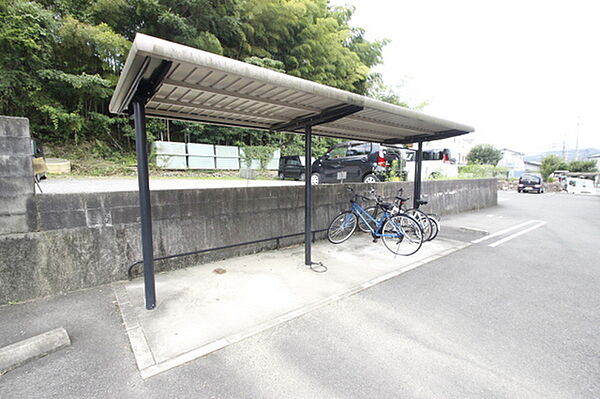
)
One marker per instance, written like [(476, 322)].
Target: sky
[(525, 74)]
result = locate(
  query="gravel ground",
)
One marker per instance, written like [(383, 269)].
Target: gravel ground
[(96, 185)]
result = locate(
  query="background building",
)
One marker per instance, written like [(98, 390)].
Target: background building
[(459, 147), (513, 160)]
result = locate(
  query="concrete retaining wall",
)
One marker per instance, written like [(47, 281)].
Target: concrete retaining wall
[(75, 241), (16, 174)]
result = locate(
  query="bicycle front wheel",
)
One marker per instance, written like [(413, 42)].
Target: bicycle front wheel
[(402, 235), (341, 227)]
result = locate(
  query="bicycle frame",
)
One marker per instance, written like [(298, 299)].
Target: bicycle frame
[(359, 211)]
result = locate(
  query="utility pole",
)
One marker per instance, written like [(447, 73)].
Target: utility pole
[(577, 139)]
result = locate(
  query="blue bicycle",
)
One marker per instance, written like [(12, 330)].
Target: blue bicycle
[(400, 233)]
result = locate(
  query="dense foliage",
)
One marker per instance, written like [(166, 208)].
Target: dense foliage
[(61, 59), (484, 154)]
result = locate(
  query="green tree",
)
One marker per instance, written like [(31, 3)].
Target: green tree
[(484, 154), (27, 37), (312, 40), (552, 163)]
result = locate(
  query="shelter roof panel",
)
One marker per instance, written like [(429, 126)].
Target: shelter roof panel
[(184, 83)]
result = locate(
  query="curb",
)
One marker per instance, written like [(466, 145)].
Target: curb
[(19, 353)]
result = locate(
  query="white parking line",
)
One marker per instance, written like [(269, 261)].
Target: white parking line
[(510, 237), (501, 232)]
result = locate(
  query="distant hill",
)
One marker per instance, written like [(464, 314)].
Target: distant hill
[(569, 154)]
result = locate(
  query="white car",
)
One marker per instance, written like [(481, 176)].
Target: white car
[(436, 163), (579, 186)]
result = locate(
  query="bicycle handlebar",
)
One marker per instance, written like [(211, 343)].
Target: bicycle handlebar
[(377, 198), (350, 189)]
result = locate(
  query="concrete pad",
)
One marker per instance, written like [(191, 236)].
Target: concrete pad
[(482, 222), (200, 311), (14, 355)]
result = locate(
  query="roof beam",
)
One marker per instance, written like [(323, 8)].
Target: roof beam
[(372, 121), (326, 116), (426, 137), (148, 87)]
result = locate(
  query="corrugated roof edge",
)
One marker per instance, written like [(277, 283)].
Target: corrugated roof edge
[(148, 46)]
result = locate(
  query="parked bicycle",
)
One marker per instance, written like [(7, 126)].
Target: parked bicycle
[(400, 233), (429, 222), (434, 219)]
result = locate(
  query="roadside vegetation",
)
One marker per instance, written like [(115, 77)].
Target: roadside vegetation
[(481, 163), (552, 163), (478, 171)]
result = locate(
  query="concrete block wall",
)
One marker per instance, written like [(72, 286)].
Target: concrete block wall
[(16, 174), (83, 240)]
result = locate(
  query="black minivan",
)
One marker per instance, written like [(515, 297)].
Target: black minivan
[(291, 167), (355, 161), (529, 183)]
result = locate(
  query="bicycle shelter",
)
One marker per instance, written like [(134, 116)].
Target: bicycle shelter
[(167, 80)]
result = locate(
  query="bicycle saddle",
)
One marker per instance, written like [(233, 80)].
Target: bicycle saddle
[(422, 202), (386, 205), (402, 199)]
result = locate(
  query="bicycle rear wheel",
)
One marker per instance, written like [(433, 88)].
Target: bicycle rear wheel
[(402, 235), (423, 220), (434, 216), (341, 227), (362, 226), (435, 228), (435, 224)]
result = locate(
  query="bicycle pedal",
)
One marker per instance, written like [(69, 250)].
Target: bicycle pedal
[(375, 239)]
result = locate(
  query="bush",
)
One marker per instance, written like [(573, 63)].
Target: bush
[(476, 171), (396, 173), (262, 153)]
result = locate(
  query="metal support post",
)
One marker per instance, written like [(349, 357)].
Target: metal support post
[(307, 194), (418, 172), (139, 117)]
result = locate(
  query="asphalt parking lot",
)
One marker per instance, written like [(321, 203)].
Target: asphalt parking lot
[(514, 315)]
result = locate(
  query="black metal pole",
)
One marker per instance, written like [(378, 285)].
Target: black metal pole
[(139, 117), (418, 169), (307, 194)]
